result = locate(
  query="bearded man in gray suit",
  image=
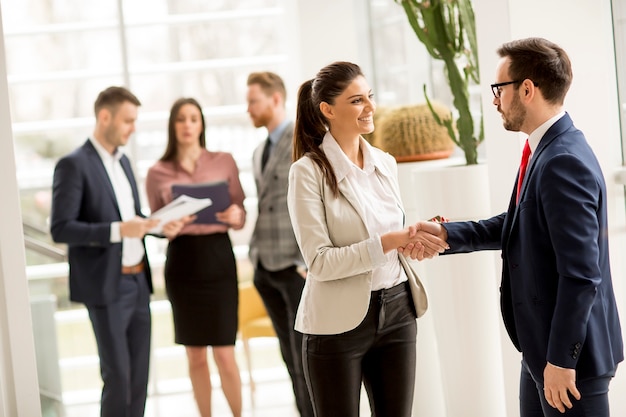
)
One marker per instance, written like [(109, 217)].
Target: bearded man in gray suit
[(274, 252)]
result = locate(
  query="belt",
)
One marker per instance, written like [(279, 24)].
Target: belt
[(390, 292), (132, 270)]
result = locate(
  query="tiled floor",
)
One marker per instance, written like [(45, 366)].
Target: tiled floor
[(273, 397)]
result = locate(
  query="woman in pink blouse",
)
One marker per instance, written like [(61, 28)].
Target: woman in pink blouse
[(200, 270)]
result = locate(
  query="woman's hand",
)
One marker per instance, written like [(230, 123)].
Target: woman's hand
[(421, 241), (429, 237), (234, 216)]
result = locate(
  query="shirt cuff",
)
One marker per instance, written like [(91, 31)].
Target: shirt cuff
[(116, 235), (375, 249)]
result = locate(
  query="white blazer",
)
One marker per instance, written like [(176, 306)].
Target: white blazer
[(331, 234)]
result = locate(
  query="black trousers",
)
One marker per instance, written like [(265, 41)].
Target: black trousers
[(380, 353), (280, 292), (594, 401)]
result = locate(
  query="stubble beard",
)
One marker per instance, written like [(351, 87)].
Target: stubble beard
[(515, 117)]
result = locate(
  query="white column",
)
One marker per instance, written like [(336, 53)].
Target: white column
[(462, 291), (19, 393)]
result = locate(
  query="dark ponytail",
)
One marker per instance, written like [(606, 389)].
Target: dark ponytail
[(311, 126)]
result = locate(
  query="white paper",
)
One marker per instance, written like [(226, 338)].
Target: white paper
[(180, 207)]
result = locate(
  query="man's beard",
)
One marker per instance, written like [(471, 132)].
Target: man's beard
[(515, 117)]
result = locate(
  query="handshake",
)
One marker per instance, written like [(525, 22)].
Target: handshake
[(424, 239)]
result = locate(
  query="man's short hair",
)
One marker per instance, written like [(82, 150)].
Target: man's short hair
[(112, 97), (543, 62), (269, 82)]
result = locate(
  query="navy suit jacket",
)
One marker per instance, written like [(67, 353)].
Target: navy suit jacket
[(83, 208), (557, 296)]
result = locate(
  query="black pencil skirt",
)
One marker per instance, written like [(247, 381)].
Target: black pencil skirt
[(201, 283)]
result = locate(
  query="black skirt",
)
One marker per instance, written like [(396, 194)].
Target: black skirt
[(201, 283)]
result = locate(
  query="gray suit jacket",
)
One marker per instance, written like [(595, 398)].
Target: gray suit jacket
[(273, 241)]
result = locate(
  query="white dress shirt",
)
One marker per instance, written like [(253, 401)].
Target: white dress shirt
[(382, 213), (132, 248)]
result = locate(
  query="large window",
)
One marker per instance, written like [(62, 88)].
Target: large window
[(403, 66), (60, 54)]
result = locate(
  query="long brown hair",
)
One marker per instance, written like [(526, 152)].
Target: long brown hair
[(311, 125), (171, 151)]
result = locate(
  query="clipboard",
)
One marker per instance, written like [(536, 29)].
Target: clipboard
[(216, 191)]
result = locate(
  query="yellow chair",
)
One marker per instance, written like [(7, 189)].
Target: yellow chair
[(253, 322)]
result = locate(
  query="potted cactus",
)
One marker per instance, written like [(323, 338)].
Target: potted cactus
[(447, 28)]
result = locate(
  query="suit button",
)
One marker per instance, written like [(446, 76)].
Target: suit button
[(270, 208), (514, 266)]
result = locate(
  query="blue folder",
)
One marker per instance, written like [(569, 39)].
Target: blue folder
[(218, 193)]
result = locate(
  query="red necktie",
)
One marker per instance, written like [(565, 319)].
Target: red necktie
[(522, 169)]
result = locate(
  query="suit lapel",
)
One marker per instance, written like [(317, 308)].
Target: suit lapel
[(561, 125), (281, 153), (95, 162), (348, 193), (131, 180)]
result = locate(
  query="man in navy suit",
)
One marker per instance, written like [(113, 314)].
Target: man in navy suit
[(557, 296), (96, 211)]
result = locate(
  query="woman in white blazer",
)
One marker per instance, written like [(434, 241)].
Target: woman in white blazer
[(361, 298)]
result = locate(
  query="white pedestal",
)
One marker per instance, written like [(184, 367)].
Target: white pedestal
[(463, 297)]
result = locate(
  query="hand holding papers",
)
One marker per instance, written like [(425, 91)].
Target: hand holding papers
[(217, 192), (180, 207)]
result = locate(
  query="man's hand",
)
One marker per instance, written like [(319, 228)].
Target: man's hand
[(137, 227), (557, 382), (427, 244), (172, 228), (429, 241)]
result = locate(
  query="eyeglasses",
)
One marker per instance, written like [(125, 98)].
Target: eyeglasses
[(496, 89)]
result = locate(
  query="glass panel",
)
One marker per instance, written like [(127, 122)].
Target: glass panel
[(403, 66), (60, 55), (24, 15), (401, 62), (44, 54), (197, 41), (51, 107)]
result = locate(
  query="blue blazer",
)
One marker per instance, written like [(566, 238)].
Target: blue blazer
[(556, 294), (83, 208)]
